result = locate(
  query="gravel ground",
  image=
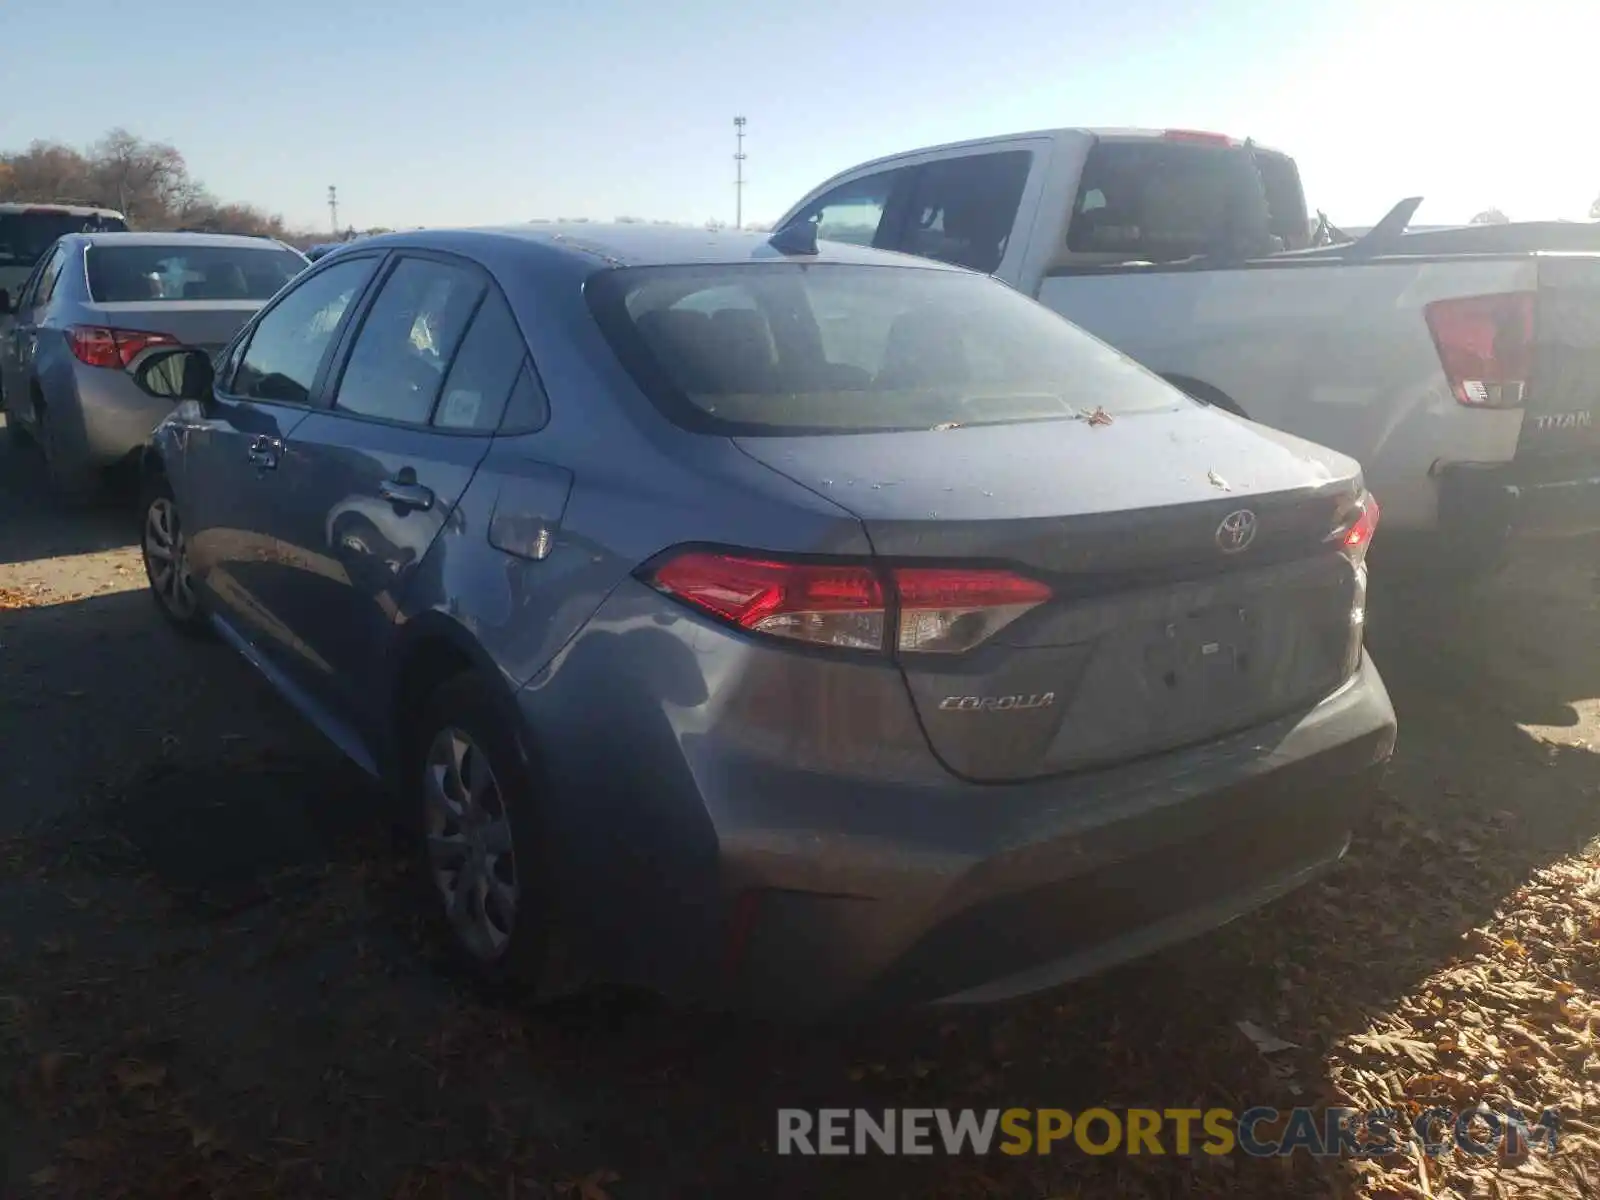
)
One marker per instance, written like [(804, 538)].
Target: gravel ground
[(213, 982)]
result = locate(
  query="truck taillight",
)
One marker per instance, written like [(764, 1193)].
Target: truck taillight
[(1485, 346), (96, 346), (850, 605)]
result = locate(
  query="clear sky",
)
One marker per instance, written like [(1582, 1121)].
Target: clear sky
[(480, 111)]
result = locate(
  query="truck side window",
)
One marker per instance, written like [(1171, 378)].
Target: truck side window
[(963, 209), (853, 211)]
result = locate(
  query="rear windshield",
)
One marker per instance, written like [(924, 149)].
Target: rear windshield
[(1163, 201), (120, 274), (25, 236), (797, 348)]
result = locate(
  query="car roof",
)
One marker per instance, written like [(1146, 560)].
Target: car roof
[(1069, 133), (10, 207), (626, 245), (240, 241)]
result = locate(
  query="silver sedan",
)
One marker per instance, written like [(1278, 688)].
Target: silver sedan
[(92, 305)]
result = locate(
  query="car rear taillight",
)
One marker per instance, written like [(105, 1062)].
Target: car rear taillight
[(945, 610), (850, 605), (1485, 346), (1354, 534), (97, 346), (1356, 529)]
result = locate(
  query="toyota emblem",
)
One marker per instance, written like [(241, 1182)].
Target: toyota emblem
[(1237, 531)]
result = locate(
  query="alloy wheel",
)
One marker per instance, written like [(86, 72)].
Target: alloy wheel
[(166, 558), (470, 851)]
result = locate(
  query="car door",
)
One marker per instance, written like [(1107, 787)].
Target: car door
[(233, 449), (376, 474), (10, 386), (23, 335)]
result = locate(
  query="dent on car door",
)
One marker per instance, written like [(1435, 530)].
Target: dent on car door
[(376, 476), (234, 452)]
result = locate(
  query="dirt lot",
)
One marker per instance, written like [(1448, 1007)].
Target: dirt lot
[(212, 982)]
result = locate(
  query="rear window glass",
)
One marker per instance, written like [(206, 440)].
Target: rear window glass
[(780, 348), (25, 236), (123, 274), (1162, 201)]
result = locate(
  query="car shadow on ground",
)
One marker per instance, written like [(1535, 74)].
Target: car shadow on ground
[(304, 1003), (35, 525)]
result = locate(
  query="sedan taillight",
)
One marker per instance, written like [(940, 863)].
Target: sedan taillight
[(1354, 534), (98, 346), (850, 605)]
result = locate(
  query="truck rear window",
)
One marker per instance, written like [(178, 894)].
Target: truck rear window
[(1163, 201), (809, 348), (25, 236), (122, 274)]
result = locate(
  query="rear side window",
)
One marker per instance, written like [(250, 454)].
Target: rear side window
[(407, 340), (798, 348), (288, 345), (484, 370), (123, 274), (852, 212), (1286, 201), (51, 277), (1163, 201), (963, 209)]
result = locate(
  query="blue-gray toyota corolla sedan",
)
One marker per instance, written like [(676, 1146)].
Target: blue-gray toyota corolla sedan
[(789, 627)]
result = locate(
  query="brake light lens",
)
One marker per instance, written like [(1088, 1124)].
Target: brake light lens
[(1358, 536), (1354, 534), (852, 606), (98, 346), (945, 611), (1485, 346), (1197, 135)]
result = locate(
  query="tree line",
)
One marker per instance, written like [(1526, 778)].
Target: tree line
[(148, 182)]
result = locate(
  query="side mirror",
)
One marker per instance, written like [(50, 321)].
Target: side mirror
[(174, 373), (5, 303)]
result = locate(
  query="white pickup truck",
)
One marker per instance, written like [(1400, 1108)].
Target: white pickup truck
[(1465, 381)]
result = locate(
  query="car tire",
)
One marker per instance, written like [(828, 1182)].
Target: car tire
[(164, 546), (76, 484), (478, 827)]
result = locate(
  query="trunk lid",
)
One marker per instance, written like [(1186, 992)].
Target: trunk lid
[(204, 324), (1561, 422), (1161, 631)]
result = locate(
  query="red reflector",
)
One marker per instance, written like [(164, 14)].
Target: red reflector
[(1198, 135), (97, 346), (1485, 346)]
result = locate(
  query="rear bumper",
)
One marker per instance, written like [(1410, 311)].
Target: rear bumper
[(1493, 504), (748, 876), (115, 417)]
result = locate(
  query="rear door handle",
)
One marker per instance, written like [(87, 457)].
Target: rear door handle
[(265, 452), (402, 493)]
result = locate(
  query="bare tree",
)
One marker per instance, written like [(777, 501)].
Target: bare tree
[(47, 171), (142, 179), (1594, 209), (1491, 216)]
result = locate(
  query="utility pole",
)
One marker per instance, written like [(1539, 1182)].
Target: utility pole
[(333, 208), (738, 178)]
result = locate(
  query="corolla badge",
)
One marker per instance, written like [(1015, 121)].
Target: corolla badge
[(996, 703), (1237, 531)]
